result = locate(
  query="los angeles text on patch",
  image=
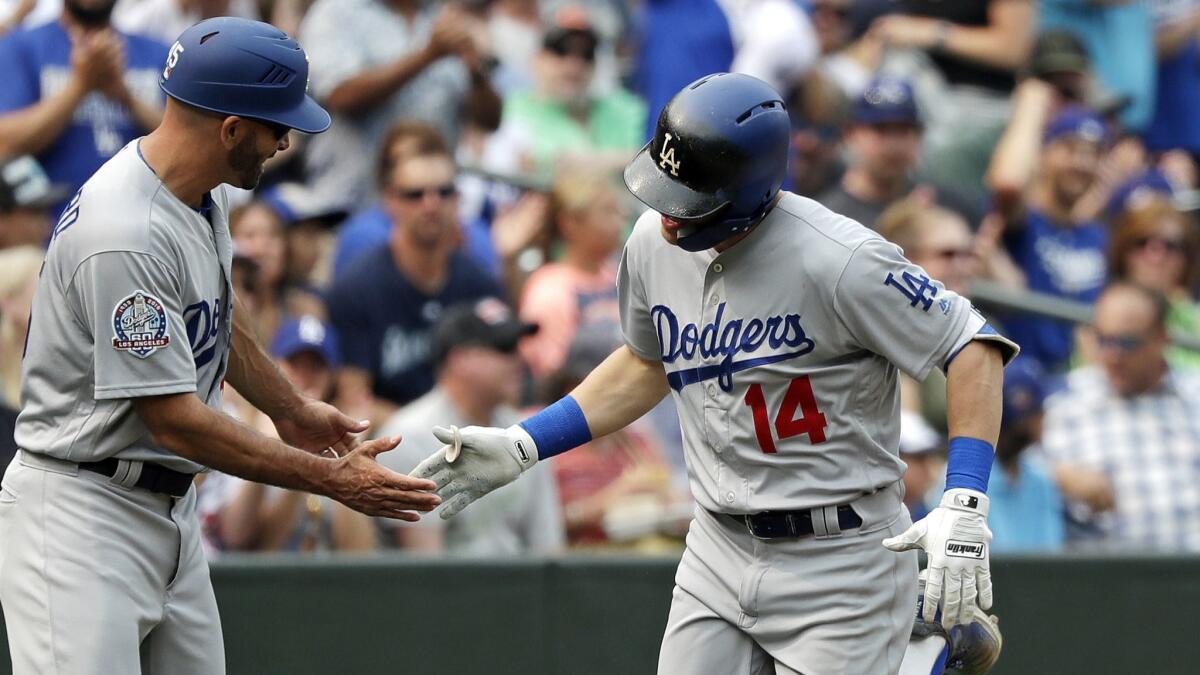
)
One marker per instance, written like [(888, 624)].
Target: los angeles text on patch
[(140, 325)]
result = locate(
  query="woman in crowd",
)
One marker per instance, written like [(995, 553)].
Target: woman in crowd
[(578, 291), (1156, 245), (259, 234)]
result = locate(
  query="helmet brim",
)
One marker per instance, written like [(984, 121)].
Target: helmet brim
[(656, 189), (309, 117)]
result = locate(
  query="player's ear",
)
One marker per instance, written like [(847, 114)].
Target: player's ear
[(232, 131)]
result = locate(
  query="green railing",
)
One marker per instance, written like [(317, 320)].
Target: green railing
[(604, 616)]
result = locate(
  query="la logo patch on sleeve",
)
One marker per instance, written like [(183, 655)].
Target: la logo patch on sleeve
[(140, 325)]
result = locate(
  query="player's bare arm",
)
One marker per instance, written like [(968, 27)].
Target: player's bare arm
[(476, 460), (302, 422), (955, 534), (974, 383), (620, 390), (182, 424)]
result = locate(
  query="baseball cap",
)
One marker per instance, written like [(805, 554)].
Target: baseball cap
[(295, 203), (1138, 188), (1024, 390), (916, 436), (24, 185), (1058, 51), (887, 100), (306, 333), (1076, 121), (485, 323)]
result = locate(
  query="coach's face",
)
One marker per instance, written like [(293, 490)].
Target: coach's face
[(249, 144), (422, 200)]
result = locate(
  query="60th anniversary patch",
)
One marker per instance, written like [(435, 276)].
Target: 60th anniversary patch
[(140, 325)]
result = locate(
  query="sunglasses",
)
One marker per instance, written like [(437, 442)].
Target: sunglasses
[(416, 194), (1171, 245), (953, 253), (1121, 343), (277, 130), (565, 50)]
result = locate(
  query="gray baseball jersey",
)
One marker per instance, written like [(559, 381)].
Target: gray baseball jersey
[(782, 353), (133, 300)]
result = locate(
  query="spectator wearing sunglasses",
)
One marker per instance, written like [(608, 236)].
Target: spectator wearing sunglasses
[(1156, 246), (940, 241), (385, 303), (1122, 436), (479, 376), (560, 120)]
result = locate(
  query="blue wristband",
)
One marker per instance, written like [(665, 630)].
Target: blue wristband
[(558, 428), (969, 463)]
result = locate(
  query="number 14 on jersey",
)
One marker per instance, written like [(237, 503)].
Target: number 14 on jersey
[(799, 398)]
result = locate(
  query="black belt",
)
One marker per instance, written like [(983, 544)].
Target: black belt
[(790, 524), (154, 478)]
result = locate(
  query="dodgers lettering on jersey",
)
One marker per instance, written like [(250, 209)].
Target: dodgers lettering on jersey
[(133, 300), (737, 336), (783, 352)]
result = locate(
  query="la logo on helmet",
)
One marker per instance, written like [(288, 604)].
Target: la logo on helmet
[(666, 156), (172, 60)]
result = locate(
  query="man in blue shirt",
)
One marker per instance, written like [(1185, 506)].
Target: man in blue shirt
[(368, 228), (1060, 247), (385, 304), (76, 91)]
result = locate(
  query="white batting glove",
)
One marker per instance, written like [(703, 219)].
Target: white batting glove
[(475, 461), (957, 538)]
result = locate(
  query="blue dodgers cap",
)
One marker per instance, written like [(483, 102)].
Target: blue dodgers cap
[(1138, 188), (1078, 121), (1024, 390), (307, 333), (247, 68), (887, 100)]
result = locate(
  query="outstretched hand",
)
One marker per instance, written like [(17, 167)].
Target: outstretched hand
[(474, 461), (360, 482), (319, 427)]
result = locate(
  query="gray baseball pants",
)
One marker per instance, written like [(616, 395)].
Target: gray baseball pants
[(835, 605), (100, 578)]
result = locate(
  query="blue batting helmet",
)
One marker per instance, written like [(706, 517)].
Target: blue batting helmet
[(718, 158), (246, 68)]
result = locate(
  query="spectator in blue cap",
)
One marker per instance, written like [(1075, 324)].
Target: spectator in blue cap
[(884, 143), (1027, 510), (307, 351), (243, 515), (1040, 173), (1138, 189)]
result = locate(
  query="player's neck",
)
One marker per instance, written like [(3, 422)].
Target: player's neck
[(424, 268), (175, 163)]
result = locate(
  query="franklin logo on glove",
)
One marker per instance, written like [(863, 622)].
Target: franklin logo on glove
[(964, 549)]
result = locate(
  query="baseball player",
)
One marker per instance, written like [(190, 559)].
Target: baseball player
[(134, 330), (779, 328)]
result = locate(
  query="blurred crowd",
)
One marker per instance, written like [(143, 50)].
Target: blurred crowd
[(446, 252)]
